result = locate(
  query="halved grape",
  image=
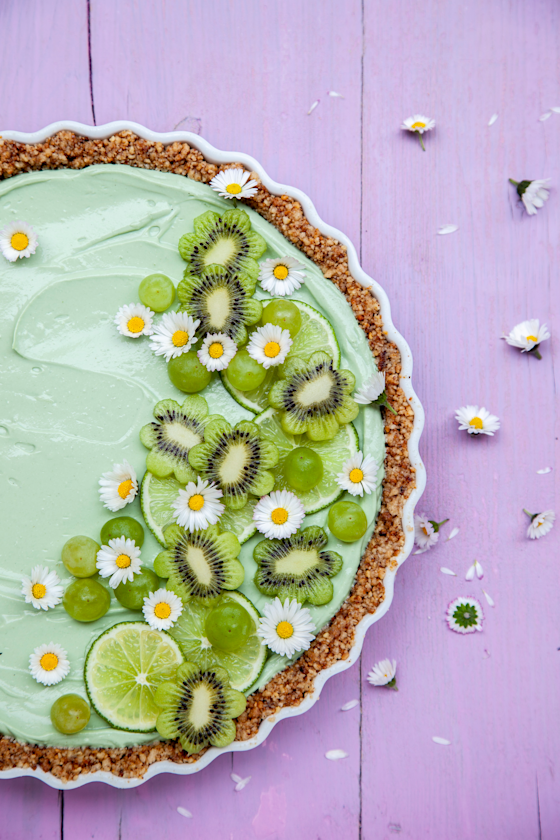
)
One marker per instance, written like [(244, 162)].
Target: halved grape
[(157, 291), (86, 600), (187, 373), (229, 626), (122, 526), (303, 468), (79, 555), (131, 593), (282, 313), (70, 714), (347, 521)]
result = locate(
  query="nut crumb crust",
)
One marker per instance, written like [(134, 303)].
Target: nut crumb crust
[(66, 150)]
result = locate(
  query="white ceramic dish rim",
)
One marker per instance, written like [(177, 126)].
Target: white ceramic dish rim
[(216, 156)]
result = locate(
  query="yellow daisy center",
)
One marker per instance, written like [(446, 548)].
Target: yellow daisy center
[(216, 350), (279, 516), (476, 422), (38, 590), (196, 502), (285, 630), (356, 475), (125, 487), (233, 189), (123, 561), (532, 338), (425, 530), (162, 610), (19, 241), (180, 338), (136, 324), (271, 349), (49, 661), (418, 125), (281, 272)]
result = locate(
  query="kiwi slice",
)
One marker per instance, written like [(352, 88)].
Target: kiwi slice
[(200, 564), (225, 240), (198, 708), (237, 459), (297, 567), (176, 430), (220, 301), (313, 397)]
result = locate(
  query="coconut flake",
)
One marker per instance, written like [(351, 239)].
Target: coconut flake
[(443, 229), (447, 571), (184, 812), (544, 471), (492, 119), (488, 598), (336, 755), (334, 93), (350, 705), (313, 106), (443, 741), (545, 116)]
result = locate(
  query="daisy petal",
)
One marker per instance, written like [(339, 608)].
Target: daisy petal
[(313, 106), (444, 229), (336, 755), (447, 571), (492, 119), (443, 741), (350, 705)]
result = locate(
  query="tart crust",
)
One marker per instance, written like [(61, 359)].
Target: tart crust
[(66, 150)]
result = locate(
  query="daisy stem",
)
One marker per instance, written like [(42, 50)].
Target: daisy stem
[(437, 525), (392, 684), (234, 202), (536, 352), (421, 143), (515, 183), (529, 514)]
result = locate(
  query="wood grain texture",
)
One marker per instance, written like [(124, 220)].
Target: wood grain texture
[(244, 75)]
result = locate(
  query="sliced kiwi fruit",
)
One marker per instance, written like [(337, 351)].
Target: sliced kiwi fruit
[(237, 459), (177, 428), (225, 240), (313, 397), (198, 708), (200, 564), (297, 567), (220, 301)]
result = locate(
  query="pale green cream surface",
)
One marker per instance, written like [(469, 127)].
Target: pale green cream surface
[(75, 394)]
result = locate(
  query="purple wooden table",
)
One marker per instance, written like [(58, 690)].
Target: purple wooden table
[(244, 75)]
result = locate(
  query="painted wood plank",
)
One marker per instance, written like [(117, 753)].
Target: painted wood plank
[(30, 810)]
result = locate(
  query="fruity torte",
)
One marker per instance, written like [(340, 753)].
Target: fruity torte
[(203, 442)]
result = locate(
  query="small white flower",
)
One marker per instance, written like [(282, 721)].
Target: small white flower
[(383, 673), (477, 421), (527, 336), (134, 320), (281, 276), (18, 240), (161, 609), (540, 524), (419, 124), (217, 351), (371, 390), (234, 183), (279, 514), (464, 615), (197, 506), (118, 487), (119, 561), (533, 194), (269, 345), (49, 664), (174, 335), (475, 569), (359, 475), (43, 589), (425, 535), (286, 628)]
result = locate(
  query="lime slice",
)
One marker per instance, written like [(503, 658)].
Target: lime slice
[(314, 334), (123, 669), (333, 454), (158, 494), (244, 665)]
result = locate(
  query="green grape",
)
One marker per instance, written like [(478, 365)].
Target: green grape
[(122, 526), (157, 291), (79, 555), (282, 313), (70, 714), (347, 521), (245, 373), (187, 373), (303, 469), (131, 593), (86, 600), (228, 626)]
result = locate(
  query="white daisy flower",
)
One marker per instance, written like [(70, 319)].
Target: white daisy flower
[(197, 506), (281, 276), (286, 628), (42, 589), (162, 609), (477, 421), (234, 183), (540, 524), (18, 240), (49, 664), (373, 392), (279, 514), (217, 351), (425, 535), (174, 335), (475, 569), (134, 320), (419, 124), (269, 345), (464, 615), (384, 673), (118, 487), (359, 475), (533, 194), (527, 336), (119, 561)]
